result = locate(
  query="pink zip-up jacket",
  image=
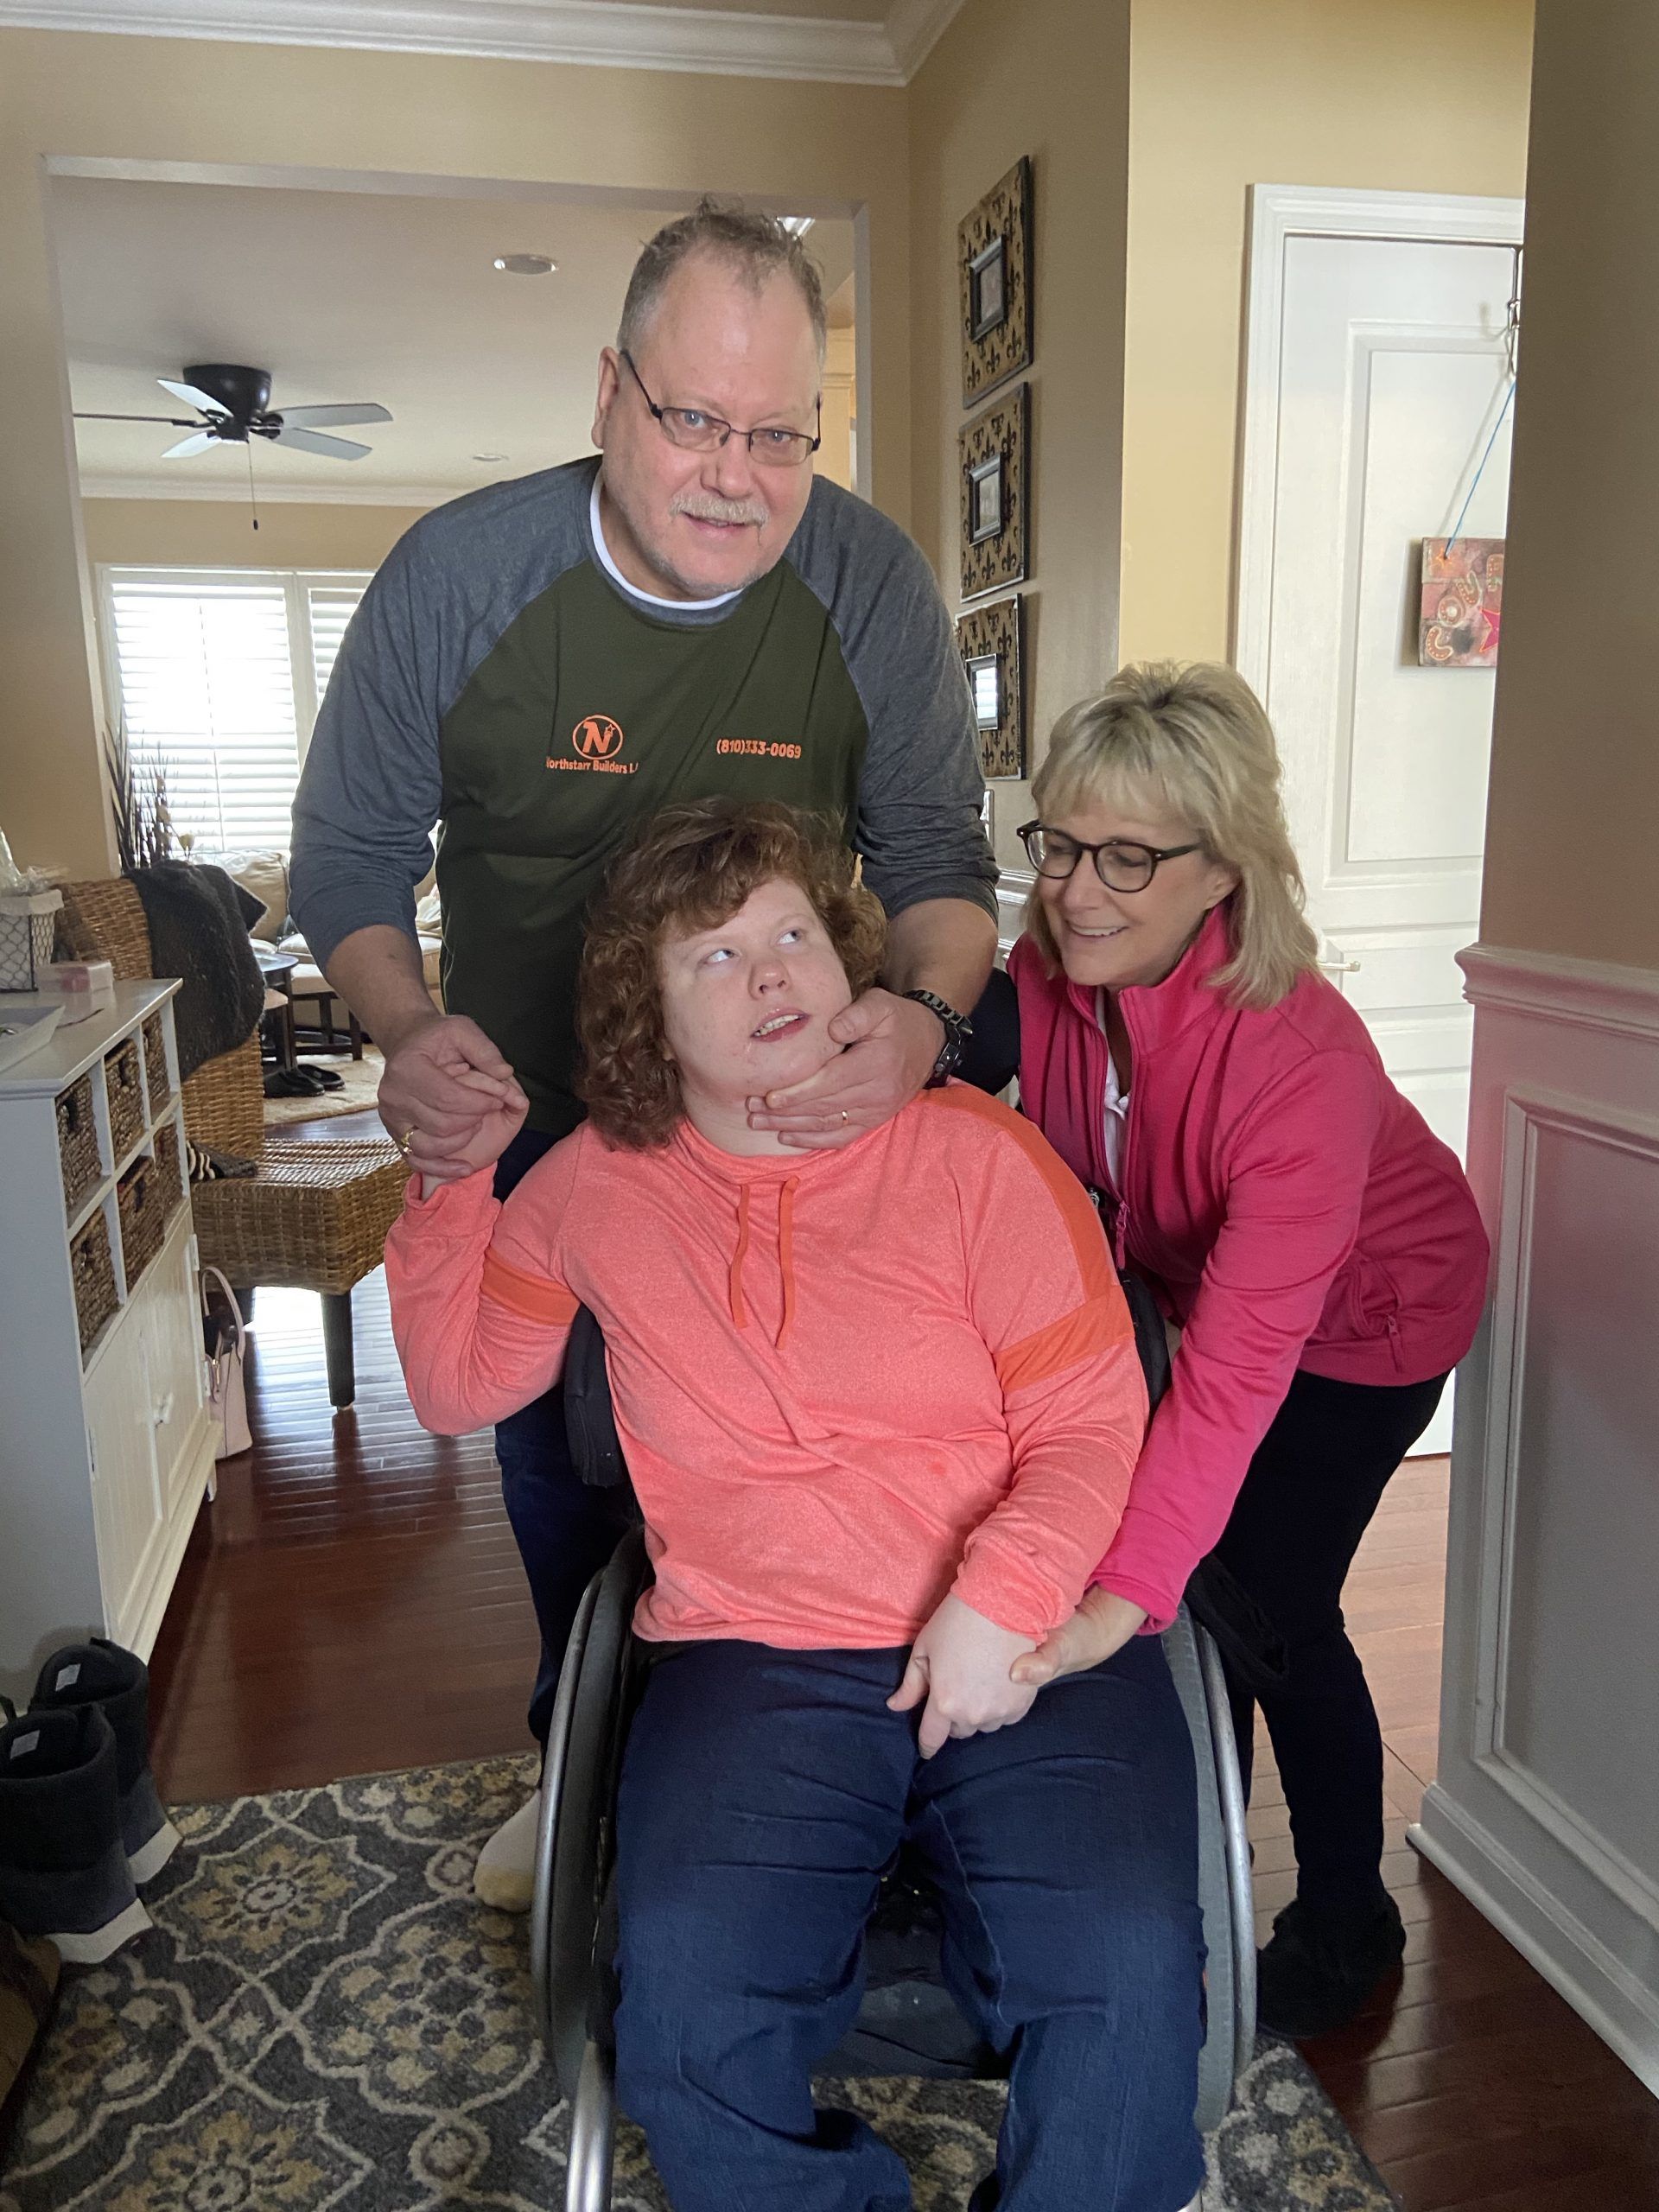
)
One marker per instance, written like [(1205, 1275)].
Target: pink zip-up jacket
[(1295, 1210), (848, 1383)]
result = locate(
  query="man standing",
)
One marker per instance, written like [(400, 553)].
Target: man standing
[(538, 667)]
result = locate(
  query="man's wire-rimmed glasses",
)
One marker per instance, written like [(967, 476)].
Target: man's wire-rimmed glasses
[(698, 431)]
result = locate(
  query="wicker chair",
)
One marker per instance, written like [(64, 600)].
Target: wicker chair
[(315, 1217)]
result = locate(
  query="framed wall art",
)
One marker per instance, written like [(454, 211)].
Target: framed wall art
[(989, 639), (1462, 606), (994, 452), (994, 257)]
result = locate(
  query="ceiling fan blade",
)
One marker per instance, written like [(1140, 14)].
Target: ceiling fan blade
[(192, 398), (312, 441), (198, 443), (320, 418), (173, 421)]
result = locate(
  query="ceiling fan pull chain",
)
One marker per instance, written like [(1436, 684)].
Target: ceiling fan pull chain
[(253, 496)]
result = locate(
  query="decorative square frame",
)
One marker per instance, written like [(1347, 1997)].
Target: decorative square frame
[(994, 634), (996, 238), (996, 447)]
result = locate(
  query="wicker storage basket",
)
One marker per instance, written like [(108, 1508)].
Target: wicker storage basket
[(169, 1176), (155, 1062), (78, 1142), (124, 1079), (144, 1217), (94, 1270)]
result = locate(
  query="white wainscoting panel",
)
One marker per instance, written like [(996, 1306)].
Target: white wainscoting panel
[(1545, 1811)]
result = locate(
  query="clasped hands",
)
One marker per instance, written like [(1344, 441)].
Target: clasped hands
[(453, 1105)]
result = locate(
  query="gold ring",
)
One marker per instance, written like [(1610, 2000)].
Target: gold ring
[(405, 1141)]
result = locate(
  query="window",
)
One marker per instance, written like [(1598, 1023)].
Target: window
[(219, 674)]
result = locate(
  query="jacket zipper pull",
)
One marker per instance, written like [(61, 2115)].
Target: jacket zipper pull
[(1121, 1237)]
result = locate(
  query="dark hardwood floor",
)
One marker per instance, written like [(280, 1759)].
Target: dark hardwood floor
[(353, 1600)]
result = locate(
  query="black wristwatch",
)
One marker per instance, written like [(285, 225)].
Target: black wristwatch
[(957, 1030)]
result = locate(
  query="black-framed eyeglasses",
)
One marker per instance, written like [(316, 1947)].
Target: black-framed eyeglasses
[(1121, 863), (698, 431)]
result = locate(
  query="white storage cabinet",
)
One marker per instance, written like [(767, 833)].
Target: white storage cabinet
[(106, 1439)]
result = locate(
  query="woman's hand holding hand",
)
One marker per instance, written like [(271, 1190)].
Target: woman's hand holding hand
[(960, 1664), (1103, 1623)]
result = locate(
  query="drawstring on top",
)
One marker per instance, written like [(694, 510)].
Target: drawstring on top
[(786, 1252), (785, 1255), (740, 1315)]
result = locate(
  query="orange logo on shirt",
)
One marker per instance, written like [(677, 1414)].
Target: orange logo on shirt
[(598, 738), (595, 741)]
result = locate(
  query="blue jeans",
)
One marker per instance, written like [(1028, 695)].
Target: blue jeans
[(565, 1531), (763, 1792)]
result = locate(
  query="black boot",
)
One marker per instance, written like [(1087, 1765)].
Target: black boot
[(1320, 1967), (100, 1673), (63, 1873)]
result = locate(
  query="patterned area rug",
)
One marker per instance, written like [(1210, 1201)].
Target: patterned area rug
[(323, 2017)]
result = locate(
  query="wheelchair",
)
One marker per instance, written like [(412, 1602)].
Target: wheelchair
[(908, 2022)]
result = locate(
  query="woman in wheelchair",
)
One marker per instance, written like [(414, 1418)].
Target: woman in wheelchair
[(881, 1407)]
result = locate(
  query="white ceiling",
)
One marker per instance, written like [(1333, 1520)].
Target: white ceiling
[(346, 297)]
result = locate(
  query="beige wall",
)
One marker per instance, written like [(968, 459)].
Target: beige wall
[(192, 101), (1574, 812), (216, 533), (1047, 77), (1223, 95)]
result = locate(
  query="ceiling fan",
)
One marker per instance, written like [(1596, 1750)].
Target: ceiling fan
[(236, 404)]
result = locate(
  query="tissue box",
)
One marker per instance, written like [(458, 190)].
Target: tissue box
[(86, 987)]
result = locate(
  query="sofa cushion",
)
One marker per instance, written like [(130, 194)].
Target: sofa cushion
[(264, 875)]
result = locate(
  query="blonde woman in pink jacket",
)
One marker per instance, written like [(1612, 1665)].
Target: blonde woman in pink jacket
[(1317, 1246)]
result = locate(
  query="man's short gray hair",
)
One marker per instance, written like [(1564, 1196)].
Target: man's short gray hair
[(756, 246)]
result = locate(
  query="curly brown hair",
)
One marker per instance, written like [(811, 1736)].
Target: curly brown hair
[(692, 866)]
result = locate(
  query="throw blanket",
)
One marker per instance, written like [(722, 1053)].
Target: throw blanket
[(197, 933)]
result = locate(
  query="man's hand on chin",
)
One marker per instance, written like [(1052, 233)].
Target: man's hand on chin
[(890, 1045)]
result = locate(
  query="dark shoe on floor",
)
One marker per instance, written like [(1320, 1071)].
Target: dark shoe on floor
[(1319, 1967), (63, 1871), (100, 1673)]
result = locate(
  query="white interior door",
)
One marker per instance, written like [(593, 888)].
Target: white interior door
[(1379, 371)]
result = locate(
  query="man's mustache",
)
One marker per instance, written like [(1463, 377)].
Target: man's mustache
[(704, 506)]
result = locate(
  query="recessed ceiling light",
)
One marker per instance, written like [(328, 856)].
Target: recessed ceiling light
[(526, 265), (489, 457), (798, 226)]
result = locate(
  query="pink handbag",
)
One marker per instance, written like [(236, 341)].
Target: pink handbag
[(226, 1345)]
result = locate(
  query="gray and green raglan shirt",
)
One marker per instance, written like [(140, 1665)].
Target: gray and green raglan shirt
[(496, 681)]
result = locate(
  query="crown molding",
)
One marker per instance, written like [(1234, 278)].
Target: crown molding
[(273, 495), (915, 28), (614, 34)]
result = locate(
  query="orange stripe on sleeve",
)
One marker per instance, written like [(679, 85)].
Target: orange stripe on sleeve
[(1075, 1206), (533, 1296), (1084, 1333)]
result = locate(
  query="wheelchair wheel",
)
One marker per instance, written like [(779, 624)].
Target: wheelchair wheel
[(555, 1766), (1226, 2045), (583, 1809)]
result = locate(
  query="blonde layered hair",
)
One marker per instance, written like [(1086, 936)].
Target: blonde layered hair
[(1193, 742)]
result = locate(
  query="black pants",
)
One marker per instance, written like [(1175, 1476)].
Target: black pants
[(1316, 1480)]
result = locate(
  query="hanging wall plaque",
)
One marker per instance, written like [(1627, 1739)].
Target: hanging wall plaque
[(989, 639), (1462, 602), (994, 271), (993, 458)]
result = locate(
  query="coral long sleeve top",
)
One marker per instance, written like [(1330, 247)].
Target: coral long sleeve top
[(847, 1383)]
